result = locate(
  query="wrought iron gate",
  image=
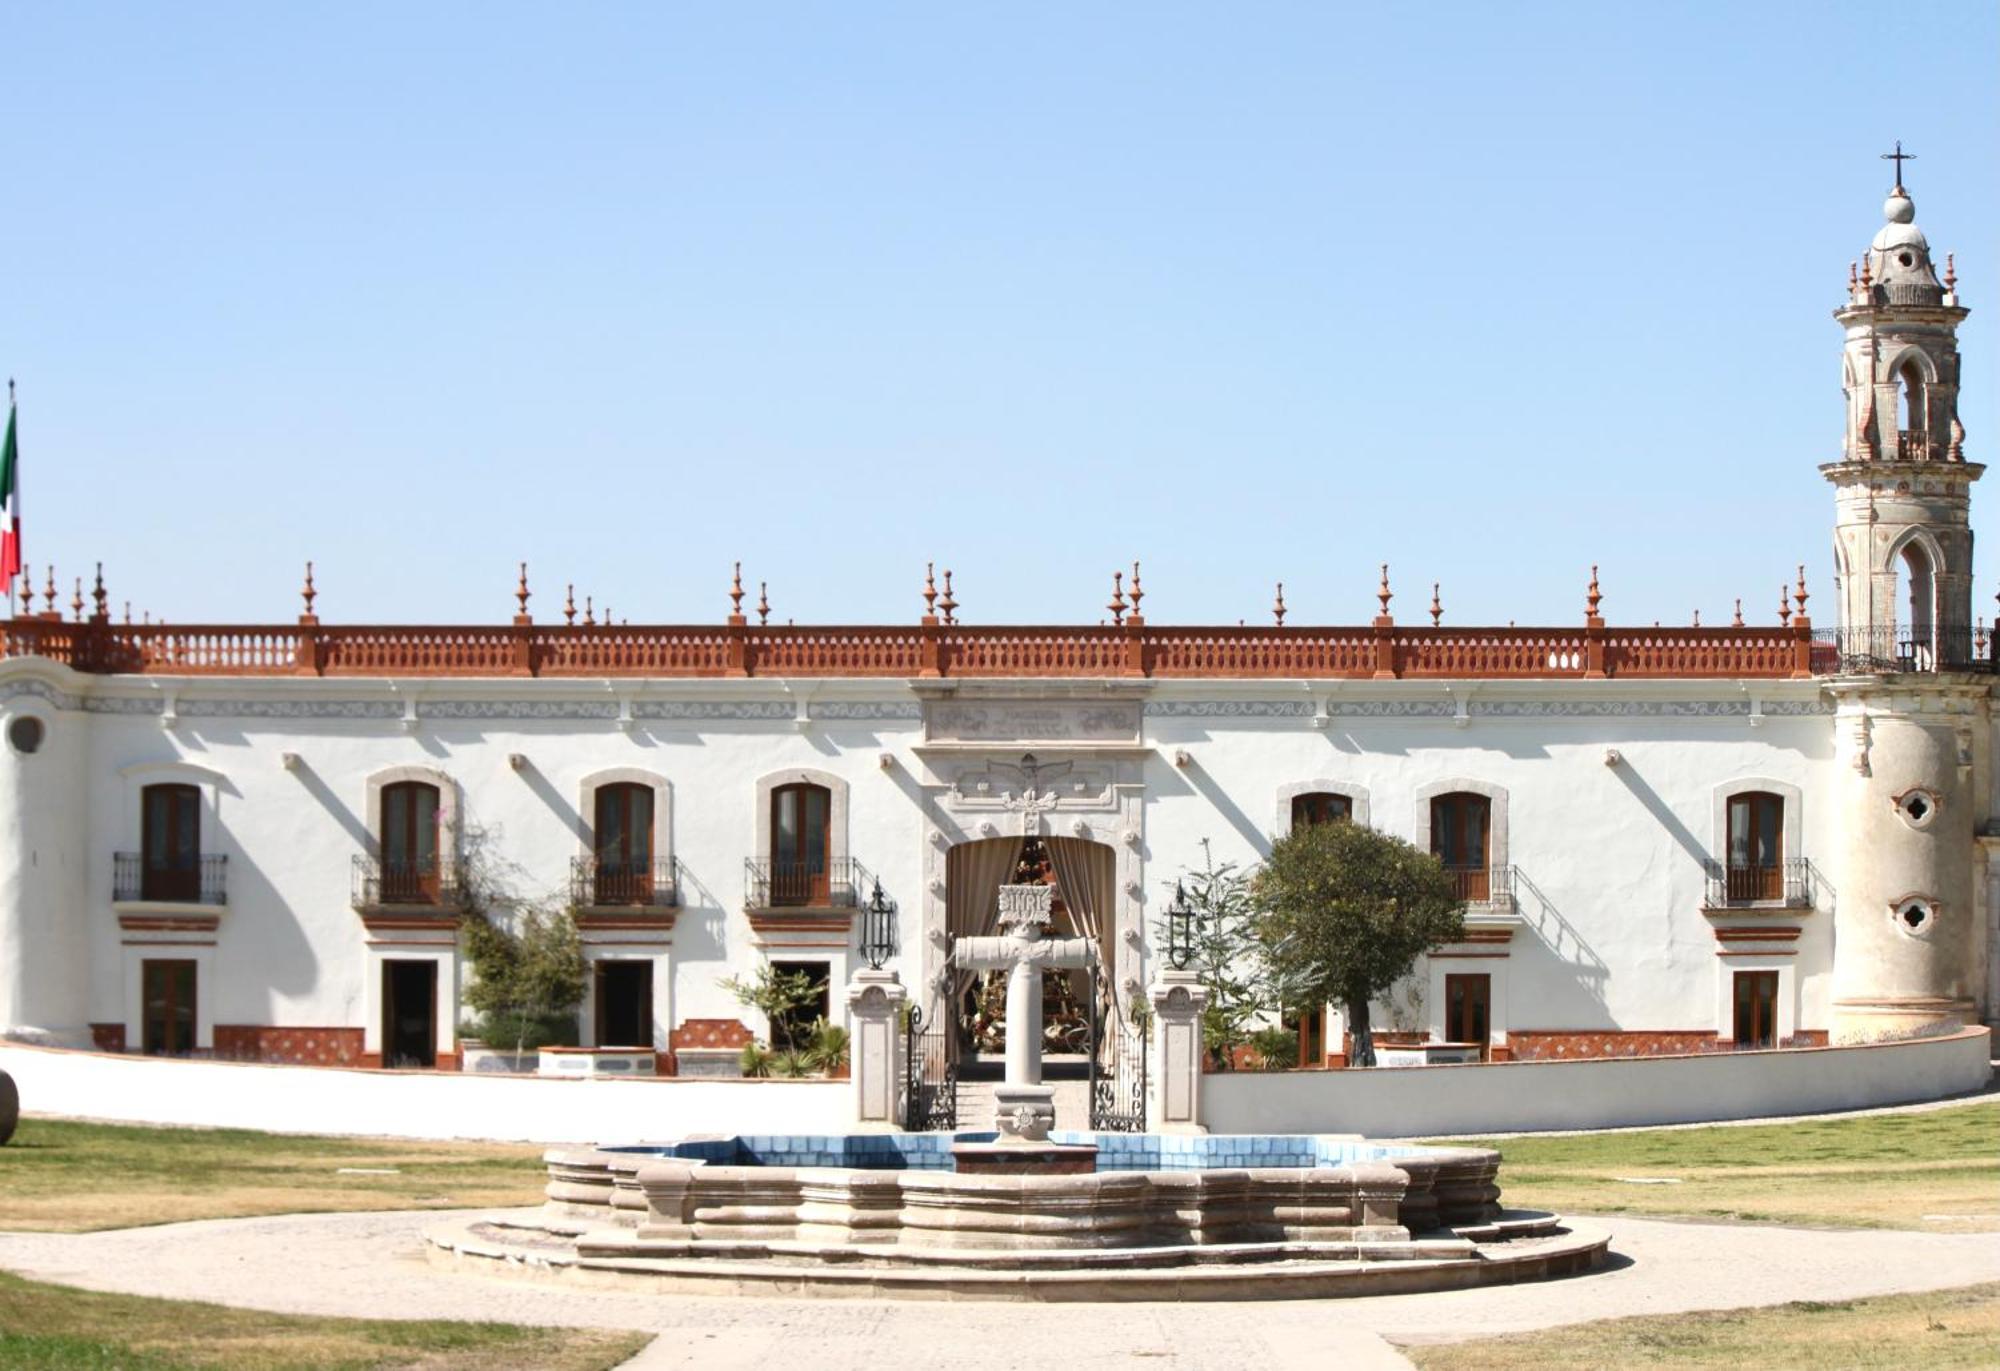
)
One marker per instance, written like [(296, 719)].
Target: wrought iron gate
[(930, 1063), (1117, 1066)]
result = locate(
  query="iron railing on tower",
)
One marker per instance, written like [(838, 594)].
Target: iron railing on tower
[(1892, 648)]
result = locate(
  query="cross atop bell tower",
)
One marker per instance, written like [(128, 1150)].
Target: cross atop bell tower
[(1902, 535)]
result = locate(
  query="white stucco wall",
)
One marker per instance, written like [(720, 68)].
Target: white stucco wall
[(414, 1104), (1526, 1097), (1611, 936)]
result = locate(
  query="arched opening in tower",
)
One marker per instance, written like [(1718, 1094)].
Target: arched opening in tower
[(1910, 382), (1916, 565)]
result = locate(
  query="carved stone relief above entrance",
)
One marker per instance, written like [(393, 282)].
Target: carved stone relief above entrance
[(1032, 721)]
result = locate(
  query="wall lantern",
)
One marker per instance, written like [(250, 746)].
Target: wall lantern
[(878, 929), (1180, 929)]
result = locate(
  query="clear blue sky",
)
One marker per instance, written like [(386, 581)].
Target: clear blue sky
[(1490, 292)]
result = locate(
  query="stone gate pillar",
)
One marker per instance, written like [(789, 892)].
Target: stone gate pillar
[(875, 1048), (1174, 1103)]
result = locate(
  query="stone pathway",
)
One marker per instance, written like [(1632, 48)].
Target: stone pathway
[(373, 1265)]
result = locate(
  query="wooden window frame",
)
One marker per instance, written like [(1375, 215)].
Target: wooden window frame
[(1762, 1029), (1307, 807), (169, 1021), (1449, 813), (420, 883), (1754, 882), (1452, 1030), (159, 877), (795, 882), (623, 876)]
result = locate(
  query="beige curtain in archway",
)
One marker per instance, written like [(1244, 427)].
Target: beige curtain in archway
[(1087, 878), (974, 873)]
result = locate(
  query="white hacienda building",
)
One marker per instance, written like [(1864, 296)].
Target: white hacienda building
[(246, 840)]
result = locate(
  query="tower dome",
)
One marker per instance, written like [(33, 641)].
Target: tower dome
[(1899, 259)]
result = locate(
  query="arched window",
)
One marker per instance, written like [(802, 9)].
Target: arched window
[(1320, 807), (1914, 645), (1910, 382), (1756, 847), (801, 843), (171, 843), (409, 840), (624, 834), (1460, 825)]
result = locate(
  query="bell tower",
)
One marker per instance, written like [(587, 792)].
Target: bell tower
[(1911, 730), (1902, 539)]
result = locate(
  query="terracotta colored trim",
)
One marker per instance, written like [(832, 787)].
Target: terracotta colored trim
[(1756, 952), (166, 923), (589, 918), (166, 942), (1380, 651), (817, 921), (1470, 956), (108, 1037), (1758, 935), (290, 1046)]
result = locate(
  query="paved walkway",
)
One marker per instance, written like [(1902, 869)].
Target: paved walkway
[(372, 1265)]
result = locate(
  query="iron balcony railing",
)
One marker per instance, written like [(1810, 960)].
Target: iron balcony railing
[(769, 884), (1903, 648), (1786, 884), (378, 883), (599, 883), (205, 881), (1486, 887)]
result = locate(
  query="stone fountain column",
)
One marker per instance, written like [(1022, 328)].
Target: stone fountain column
[(1025, 1108), (875, 1048), (1174, 1104)]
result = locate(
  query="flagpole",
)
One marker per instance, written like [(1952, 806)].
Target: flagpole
[(11, 499)]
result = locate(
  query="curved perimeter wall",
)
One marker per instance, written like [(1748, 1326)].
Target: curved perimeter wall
[(1388, 1102), (1529, 1097)]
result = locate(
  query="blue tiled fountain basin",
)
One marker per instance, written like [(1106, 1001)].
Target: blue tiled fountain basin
[(1115, 1151)]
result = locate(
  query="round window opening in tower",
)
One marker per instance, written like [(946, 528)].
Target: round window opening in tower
[(1906, 259), (1914, 916), (25, 734), (1917, 807)]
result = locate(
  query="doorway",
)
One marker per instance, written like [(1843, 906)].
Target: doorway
[(1756, 1009), (409, 1014), (624, 1003), (1468, 1002), (167, 1028)]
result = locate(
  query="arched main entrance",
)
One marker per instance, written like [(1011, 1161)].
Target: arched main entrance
[(1084, 875)]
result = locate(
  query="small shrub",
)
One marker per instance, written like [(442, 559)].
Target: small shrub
[(1277, 1049), (826, 1049), (754, 1061), (790, 1064), (513, 1031)]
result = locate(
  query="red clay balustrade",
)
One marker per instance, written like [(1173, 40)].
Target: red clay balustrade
[(1380, 652)]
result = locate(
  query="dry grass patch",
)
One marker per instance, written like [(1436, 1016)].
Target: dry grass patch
[(1937, 1171), (1939, 1331), (58, 1328), (63, 1176)]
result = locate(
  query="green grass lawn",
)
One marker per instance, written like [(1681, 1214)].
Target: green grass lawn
[(1937, 1171), (1943, 1330), (62, 1176), (57, 1328)]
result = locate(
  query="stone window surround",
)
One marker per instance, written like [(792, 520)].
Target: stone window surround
[(1487, 963), (202, 954), (441, 949), (448, 810), (1782, 962), (1357, 796), (836, 823), (1497, 851), (211, 784), (663, 989), (663, 807), (1792, 828)]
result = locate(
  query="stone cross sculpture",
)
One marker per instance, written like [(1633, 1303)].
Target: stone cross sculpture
[(1025, 1108)]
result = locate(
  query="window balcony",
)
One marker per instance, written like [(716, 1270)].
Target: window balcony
[(379, 884), (597, 884), (1485, 889), (831, 884), (1916, 445), (1785, 885), (134, 880)]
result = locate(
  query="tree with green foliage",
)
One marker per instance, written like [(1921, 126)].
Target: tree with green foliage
[(528, 980), (1343, 914), (780, 995), (1225, 954)]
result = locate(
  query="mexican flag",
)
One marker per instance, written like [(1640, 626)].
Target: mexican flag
[(10, 507)]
